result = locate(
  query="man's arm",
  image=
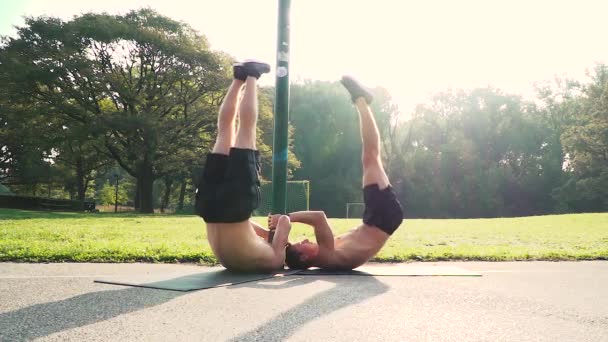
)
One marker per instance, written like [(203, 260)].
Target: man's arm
[(280, 239), (317, 219), (263, 233), (281, 234)]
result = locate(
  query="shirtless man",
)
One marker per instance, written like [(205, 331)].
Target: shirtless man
[(383, 212), (229, 188)]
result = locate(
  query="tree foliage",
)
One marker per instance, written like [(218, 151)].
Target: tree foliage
[(477, 153), (140, 92), (585, 142), (145, 85)]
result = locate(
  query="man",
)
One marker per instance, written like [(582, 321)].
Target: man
[(383, 212), (229, 189)]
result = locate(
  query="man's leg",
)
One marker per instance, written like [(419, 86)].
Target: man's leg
[(243, 167), (226, 167), (373, 171), (206, 204), (226, 119), (382, 209), (248, 116)]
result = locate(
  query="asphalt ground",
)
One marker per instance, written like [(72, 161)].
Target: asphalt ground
[(512, 301)]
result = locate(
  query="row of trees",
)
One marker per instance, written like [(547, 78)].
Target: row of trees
[(477, 153), (139, 91), (135, 96)]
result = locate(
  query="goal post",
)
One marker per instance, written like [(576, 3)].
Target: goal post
[(355, 210), (297, 197)]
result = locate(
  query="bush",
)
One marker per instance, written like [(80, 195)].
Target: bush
[(38, 203), (107, 194)]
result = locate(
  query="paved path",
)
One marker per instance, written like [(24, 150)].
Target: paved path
[(524, 301)]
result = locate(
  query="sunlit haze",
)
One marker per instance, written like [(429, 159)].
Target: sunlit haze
[(412, 48)]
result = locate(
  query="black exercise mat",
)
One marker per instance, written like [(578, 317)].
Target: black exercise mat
[(198, 281)]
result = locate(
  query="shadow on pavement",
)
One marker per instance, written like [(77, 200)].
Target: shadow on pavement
[(348, 290), (45, 319), (48, 318)]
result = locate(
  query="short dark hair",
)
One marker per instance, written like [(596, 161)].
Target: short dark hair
[(292, 259)]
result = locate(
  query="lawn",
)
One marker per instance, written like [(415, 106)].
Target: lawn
[(104, 237)]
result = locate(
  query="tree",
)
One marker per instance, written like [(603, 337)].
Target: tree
[(107, 195), (145, 85), (558, 102), (586, 144), (79, 151), (24, 151), (474, 154)]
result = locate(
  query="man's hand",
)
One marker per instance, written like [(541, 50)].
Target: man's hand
[(259, 230), (273, 220)]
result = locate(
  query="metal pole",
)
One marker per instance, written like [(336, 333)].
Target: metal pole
[(281, 113)]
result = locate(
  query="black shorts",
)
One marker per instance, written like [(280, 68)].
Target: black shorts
[(382, 208), (229, 189)]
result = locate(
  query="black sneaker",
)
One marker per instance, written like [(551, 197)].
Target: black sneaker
[(239, 71), (356, 90), (255, 68)]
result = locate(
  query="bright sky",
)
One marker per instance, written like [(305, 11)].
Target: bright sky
[(413, 48)]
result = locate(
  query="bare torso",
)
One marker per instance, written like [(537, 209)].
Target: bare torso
[(354, 248), (239, 248)]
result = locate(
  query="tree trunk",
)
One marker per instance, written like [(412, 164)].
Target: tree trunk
[(182, 194), (137, 190), (146, 185), (165, 202), (80, 183)]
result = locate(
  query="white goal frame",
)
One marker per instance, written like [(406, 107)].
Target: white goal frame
[(348, 207)]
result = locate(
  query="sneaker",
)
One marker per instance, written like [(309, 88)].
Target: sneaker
[(356, 90), (255, 68), (238, 71)]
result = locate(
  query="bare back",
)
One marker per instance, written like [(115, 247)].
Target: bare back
[(239, 248), (354, 248)]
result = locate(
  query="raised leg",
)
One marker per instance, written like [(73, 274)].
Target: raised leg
[(248, 116), (226, 119), (373, 171)]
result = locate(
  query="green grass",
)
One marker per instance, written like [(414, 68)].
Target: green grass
[(56, 237)]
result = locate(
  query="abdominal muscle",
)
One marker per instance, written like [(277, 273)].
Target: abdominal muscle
[(238, 247), (356, 247)]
